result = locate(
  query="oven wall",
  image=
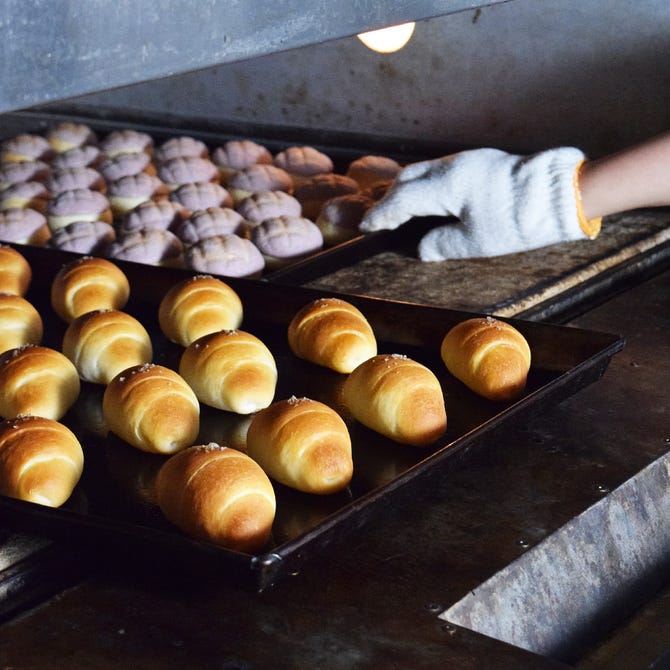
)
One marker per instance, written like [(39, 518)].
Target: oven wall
[(520, 75)]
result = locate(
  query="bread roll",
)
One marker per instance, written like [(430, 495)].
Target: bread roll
[(230, 370), (20, 322), (87, 284), (15, 271), (41, 460), (303, 444), (333, 333), (37, 380), (198, 306), (152, 408), (219, 495), (104, 342), (397, 397), (489, 356)]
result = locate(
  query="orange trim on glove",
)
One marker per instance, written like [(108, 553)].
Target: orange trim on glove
[(591, 227)]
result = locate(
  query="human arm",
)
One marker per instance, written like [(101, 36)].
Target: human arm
[(638, 176), (506, 203)]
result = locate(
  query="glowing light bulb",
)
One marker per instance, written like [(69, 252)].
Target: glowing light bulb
[(388, 40)]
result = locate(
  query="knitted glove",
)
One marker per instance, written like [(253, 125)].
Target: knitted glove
[(504, 203)]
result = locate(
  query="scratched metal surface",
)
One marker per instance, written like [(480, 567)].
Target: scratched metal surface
[(505, 285)]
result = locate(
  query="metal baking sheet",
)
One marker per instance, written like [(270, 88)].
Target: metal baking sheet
[(342, 149), (113, 507)]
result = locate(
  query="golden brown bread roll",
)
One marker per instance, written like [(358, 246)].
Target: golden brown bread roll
[(41, 460), (489, 356), (397, 397), (15, 271), (198, 306), (333, 333), (20, 322), (87, 284), (217, 494), (37, 380), (152, 408), (230, 370), (302, 443), (104, 342)]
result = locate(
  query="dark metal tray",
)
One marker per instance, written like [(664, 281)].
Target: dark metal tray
[(112, 505), (342, 148)]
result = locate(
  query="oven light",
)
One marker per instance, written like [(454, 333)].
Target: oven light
[(388, 40)]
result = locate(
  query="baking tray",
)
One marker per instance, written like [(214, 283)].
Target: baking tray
[(341, 147), (112, 506)]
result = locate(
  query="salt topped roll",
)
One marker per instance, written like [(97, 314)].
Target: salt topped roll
[(15, 271), (104, 342), (20, 322), (152, 408), (41, 460), (197, 306), (86, 284), (37, 380)]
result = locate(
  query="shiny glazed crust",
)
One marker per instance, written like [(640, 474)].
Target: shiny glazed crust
[(397, 397), (217, 494), (302, 443), (489, 356), (37, 380), (198, 306), (152, 408), (332, 333), (230, 370), (87, 284), (41, 460)]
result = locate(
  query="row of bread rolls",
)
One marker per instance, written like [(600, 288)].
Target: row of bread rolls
[(232, 210), (299, 442)]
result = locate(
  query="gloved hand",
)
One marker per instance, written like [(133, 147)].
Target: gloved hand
[(504, 203)]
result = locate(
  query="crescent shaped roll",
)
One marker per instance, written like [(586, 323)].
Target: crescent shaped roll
[(104, 342), (230, 370), (152, 408), (397, 397), (198, 306), (20, 322), (217, 494), (302, 443), (86, 284), (41, 460), (37, 380), (332, 333), (15, 271), (489, 356)]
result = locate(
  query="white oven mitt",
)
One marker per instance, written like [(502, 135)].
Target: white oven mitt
[(504, 203)]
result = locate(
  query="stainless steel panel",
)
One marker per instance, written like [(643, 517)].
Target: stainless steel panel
[(55, 49)]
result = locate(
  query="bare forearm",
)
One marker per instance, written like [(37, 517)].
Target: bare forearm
[(635, 177)]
